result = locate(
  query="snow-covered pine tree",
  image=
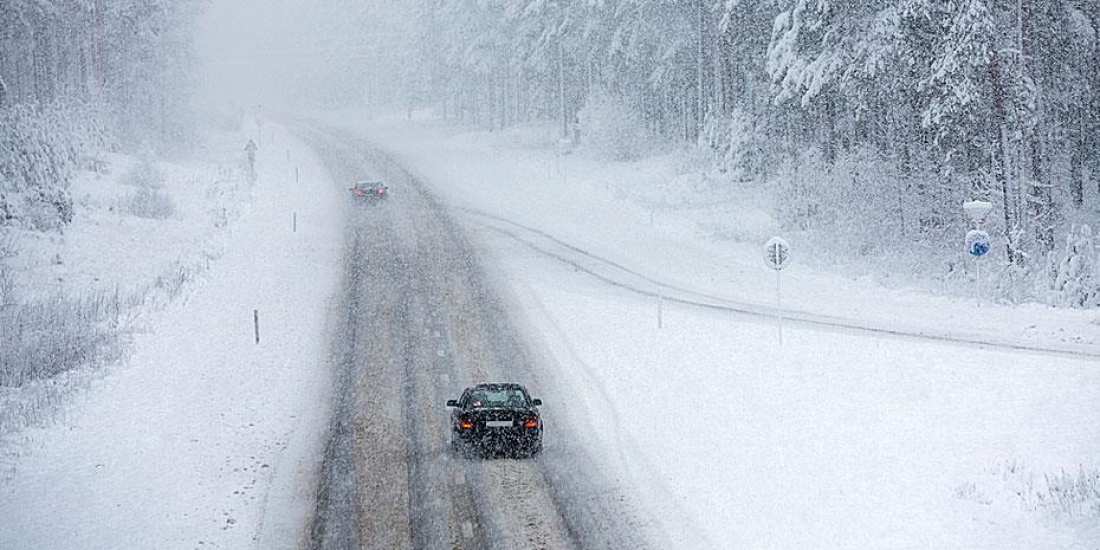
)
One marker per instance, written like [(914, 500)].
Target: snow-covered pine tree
[(1076, 276)]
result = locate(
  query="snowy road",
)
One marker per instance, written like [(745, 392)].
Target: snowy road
[(419, 323)]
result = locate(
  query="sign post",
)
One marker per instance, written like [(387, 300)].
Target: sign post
[(565, 146), (977, 241), (777, 254), (977, 245)]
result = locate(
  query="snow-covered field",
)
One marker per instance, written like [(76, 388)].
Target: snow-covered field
[(201, 438), (836, 439), (201, 200), (647, 215)]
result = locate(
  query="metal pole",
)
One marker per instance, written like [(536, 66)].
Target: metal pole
[(779, 305), (978, 278), (256, 323)]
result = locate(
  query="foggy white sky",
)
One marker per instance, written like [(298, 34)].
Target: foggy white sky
[(250, 50), (291, 52)]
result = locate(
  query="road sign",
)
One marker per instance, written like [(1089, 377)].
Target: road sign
[(977, 210), (777, 253), (977, 243)]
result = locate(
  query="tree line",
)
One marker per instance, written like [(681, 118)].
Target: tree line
[(77, 76), (881, 114)]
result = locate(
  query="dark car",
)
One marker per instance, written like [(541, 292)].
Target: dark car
[(370, 191), (496, 419)]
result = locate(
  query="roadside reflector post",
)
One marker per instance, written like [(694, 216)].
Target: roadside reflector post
[(777, 254), (294, 223), (660, 310), (256, 323), (297, 176)]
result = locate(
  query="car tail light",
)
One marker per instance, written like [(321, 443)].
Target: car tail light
[(466, 425), (531, 423)]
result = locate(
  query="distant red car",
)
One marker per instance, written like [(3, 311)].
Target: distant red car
[(370, 191)]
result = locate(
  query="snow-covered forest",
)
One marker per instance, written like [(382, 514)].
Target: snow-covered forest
[(871, 122), (864, 126), (81, 80), (78, 77)]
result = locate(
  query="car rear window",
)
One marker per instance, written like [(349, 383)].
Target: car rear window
[(487, 398)]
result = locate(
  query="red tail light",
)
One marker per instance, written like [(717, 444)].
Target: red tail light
[(531, 423), (466, 425)]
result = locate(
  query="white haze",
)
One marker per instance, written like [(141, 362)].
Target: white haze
[(298, 53)]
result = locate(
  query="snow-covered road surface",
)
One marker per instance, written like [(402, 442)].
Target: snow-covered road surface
[(419, 324), (203, 439)]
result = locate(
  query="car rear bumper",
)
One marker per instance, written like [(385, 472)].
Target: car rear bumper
[(501, 439)]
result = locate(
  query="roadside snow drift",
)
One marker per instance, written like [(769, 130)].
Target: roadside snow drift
[(833, 440), (204, 438)]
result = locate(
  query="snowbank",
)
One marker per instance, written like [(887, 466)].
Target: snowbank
[(203, 438), (834, 440)]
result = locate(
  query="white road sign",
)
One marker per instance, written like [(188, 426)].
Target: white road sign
[(777, 253)]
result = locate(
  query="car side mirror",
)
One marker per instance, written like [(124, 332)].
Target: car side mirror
[(452, 402), (536, 402)]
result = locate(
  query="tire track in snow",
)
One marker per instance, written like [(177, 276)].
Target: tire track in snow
[(422, 293), (620, 276)]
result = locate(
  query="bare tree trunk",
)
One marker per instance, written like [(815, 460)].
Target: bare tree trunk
[(99, 53), (1077, 161), (700, 62), (561, 88), (997, 129), (1041, 203), (1042, 200), (3, 84), (830, 129)]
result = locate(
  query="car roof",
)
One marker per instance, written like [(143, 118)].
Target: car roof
[(498, 386)]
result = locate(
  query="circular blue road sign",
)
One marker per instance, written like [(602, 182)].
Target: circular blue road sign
[(977, 243)]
